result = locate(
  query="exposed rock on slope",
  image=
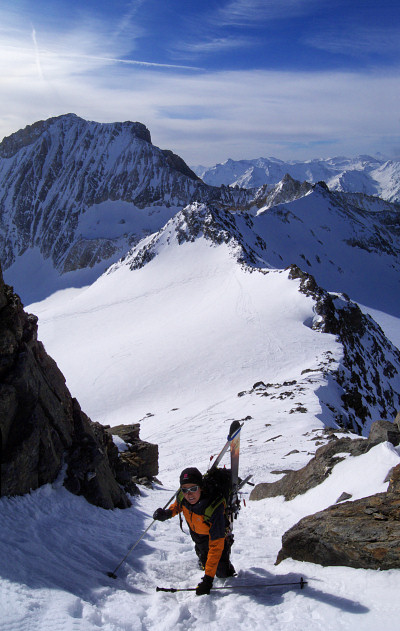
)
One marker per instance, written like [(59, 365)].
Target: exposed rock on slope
[(197, 220), (41, 425), (285, 191), (326, 457), (139, 462), (360, 534)]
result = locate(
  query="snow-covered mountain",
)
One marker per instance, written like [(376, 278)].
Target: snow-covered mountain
[(349, 242), (363, 174), (194, 328), (191, 303), (75, 195), (199, 324)]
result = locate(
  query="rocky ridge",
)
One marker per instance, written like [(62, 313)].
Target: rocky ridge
[(369, 374), (368, 377), (216, 225)]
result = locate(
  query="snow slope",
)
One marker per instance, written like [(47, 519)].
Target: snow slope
[(56, 549), (191, 301), (177, 336)]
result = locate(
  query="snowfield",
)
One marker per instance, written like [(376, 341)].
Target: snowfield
[(178, 345)]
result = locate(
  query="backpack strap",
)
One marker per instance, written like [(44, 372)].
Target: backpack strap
[(211, 508), (179, 499)]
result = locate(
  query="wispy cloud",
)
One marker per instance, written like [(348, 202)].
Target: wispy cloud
[(213, 45), (251, 12), (205, 116), (357, 41), (37, 54)]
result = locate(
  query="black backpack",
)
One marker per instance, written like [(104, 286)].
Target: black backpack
[(217, 485)]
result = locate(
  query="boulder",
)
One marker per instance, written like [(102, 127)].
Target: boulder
[(360, 534), (41, 425), (382, 431)]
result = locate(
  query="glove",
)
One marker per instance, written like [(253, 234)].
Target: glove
[(162, 514), (205, 585)]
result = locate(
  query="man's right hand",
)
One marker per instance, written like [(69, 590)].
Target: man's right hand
[(162, 514)]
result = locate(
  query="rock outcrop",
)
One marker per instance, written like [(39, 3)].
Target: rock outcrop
[(42, 427), (138, 464), (360, 534), (326, 457)]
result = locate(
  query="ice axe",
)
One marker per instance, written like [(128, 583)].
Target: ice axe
[(113, 574)]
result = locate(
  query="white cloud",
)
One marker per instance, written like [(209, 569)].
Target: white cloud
[(204, 116)]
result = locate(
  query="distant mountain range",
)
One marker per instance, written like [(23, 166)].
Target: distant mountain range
[(363, 174), (76, 196)]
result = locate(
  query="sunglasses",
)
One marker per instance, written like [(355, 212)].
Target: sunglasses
[(191, 489)]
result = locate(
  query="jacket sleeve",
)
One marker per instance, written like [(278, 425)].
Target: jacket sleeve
[(175, 508), (216, 541), (215, 549)]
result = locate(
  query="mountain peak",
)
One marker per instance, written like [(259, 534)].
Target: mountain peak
[(27, 136), (198, 220)]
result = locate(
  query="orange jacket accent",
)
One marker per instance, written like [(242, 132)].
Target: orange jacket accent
[(197, 524)]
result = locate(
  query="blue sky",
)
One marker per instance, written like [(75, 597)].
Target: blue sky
[(294, 79)]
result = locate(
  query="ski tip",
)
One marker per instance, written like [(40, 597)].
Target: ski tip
[(111, 575), (234, 429), (302, 583)]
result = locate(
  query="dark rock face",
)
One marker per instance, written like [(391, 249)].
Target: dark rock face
[(41, 425), (286, 190), (360, 534), (382, 431), (178, 164)]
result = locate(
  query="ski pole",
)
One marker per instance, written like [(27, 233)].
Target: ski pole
[(301, 582), (113, 574)]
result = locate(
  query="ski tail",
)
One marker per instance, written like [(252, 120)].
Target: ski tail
[(234, 503)]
